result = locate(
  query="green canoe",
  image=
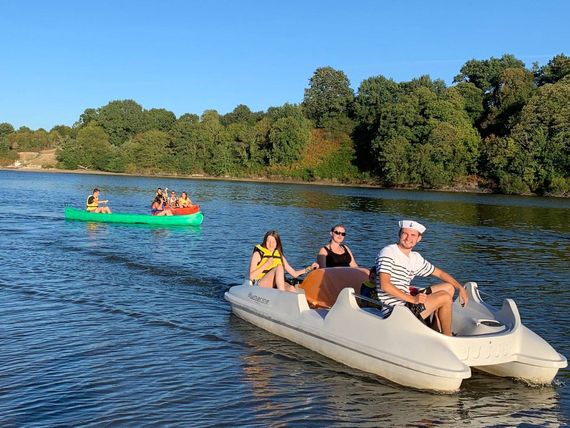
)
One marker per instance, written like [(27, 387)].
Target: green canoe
[(174, 220)]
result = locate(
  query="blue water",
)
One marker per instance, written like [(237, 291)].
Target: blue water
[(107, 324)]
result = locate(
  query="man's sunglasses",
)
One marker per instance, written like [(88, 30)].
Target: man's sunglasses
[(336, 232)]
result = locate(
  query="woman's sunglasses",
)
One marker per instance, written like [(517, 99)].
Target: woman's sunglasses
[(336, 232)]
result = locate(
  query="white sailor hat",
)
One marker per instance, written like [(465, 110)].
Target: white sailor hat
[(411, 224)]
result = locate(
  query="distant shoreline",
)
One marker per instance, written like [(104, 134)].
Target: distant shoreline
[(462, 189)]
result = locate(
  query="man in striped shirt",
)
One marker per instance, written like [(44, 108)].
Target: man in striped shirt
[(397, 265)]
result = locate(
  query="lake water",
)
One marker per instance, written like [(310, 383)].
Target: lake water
[(105, 324)]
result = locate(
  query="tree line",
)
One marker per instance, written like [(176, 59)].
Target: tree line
[(500, 125)]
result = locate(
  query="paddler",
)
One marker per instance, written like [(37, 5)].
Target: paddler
[(93, 203)]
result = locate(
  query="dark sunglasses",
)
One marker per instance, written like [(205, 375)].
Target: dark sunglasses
[(336, 232)]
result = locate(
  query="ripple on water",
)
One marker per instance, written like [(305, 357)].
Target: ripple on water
[(126, 325)]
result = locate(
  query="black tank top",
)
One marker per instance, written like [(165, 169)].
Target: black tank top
[(338, 260)]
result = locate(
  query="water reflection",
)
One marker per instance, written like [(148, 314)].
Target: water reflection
[(152, 295), (280, 372)]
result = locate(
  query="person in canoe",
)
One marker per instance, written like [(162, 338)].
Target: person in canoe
[(172, 200), (161, 194), (397, 265), (158, 208), (184, 201), (93, 203), (335, 253), (268, 264)]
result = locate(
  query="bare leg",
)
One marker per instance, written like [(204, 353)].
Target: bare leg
[(445, 286), (268, 279), (440, 303), (280, 280), (275, 276), (280, 277)]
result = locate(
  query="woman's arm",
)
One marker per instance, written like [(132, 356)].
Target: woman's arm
[(296, 273), (352, 259), (322, 258)]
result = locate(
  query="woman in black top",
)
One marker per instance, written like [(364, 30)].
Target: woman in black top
[(335, 253)]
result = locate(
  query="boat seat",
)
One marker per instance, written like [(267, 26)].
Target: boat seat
[(322, 286)]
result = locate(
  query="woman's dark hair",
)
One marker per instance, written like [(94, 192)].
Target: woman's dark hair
[(337, 225), (275, 234)]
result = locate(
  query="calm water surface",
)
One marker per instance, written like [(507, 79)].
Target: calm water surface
[(126, 325)]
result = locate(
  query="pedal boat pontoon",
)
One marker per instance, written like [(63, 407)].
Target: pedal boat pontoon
[(323, 315)]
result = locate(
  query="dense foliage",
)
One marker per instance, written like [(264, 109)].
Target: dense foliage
[(500, 125)]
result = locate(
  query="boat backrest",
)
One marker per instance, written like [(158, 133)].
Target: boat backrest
[(322, 286)]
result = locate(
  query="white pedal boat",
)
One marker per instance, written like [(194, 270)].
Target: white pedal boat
[(399, 348)]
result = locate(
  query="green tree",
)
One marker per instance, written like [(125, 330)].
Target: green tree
[(288, 138), (425, 138), (328, 97), (374, 94), (437, 86), (185, 133), (286, 110), (121, 120), (149, 152), (159, 119), (543, 135), (91, 149), (282, 135), (64, 131), (491, 77), (26, 140), (486, 74), (222, 161), (89, 115), (189, 118), (517, 86), (7, 156), (5, 129), (95, 146), (241, 114), (245, 147), (556, 69), (473, 97)]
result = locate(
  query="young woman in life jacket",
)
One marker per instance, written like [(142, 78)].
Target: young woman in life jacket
[(184, 201), (268, 265)]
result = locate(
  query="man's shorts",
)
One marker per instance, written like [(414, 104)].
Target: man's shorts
[(418, 308)]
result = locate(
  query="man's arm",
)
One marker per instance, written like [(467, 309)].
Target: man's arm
[(444, 276)]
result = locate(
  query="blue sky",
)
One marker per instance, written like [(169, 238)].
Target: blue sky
[(60, 57)]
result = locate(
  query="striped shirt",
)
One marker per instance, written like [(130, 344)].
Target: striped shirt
[(402, 269)]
